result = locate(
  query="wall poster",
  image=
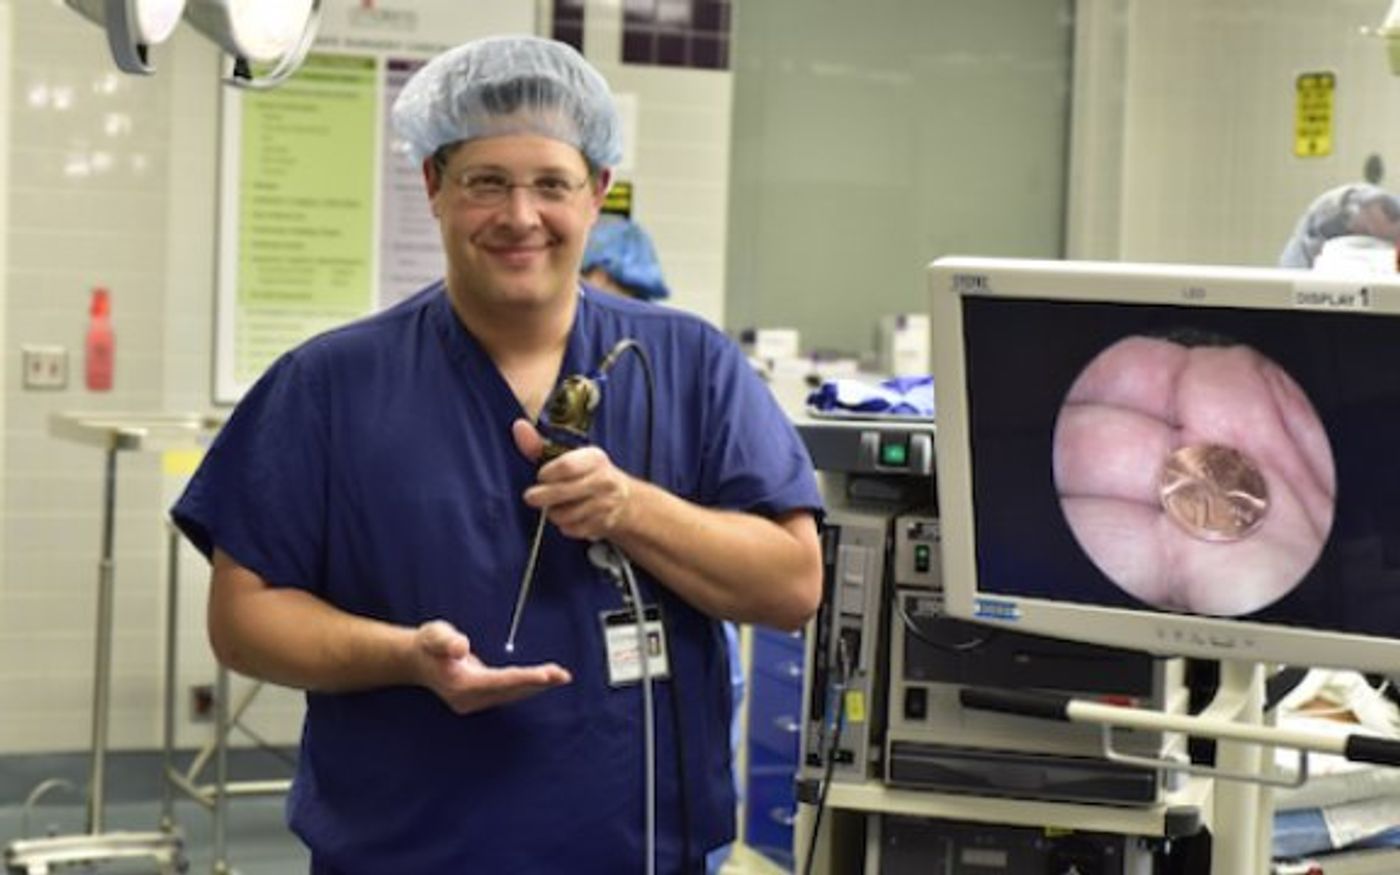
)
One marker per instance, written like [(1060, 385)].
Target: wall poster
[(321, 218)]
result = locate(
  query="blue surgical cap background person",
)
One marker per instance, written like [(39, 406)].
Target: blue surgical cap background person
[(369, 506), (1359, 209), (620, 258)]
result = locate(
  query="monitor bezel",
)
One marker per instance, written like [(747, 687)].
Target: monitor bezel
[(953, 279)]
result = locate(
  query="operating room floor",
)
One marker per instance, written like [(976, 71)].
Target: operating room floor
[(258, 841)]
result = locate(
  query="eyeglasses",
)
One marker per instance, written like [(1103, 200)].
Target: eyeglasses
[(493, 189)]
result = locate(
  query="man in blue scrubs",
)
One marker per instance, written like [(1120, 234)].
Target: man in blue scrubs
[(369, 506)]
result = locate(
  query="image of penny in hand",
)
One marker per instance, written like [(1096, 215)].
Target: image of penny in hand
[(1194, 473)]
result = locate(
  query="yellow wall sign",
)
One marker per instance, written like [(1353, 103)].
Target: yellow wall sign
[(1312, 126), (618, 200)]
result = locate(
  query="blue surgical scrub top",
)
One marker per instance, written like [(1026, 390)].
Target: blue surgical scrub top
[(374, 468)]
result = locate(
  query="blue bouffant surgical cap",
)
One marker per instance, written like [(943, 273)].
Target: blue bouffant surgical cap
[(623, 251), (1359, 208), (509, 85)]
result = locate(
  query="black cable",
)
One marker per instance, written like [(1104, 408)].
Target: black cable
[(838, 693), (606, 365), (826, 785), (893, 604), (912, 627), (680, 766)]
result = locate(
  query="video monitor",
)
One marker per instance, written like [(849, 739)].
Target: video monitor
[(1201, 461)]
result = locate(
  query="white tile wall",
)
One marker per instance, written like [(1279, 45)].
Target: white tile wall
[(6, 369), (192, 169), (681, 176), (1195, 151), (681, 172), (100, 168)]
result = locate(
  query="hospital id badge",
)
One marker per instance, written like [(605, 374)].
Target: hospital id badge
[(620, 639)]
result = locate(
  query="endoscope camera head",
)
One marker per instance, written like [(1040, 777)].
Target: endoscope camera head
[(568, 415)]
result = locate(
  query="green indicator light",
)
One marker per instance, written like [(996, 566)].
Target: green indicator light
[(894, 454), (922, 554)]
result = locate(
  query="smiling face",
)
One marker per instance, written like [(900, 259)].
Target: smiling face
[(514, 211)]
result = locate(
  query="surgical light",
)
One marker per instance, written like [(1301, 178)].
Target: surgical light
[(1390, 31), (276, 32), (271, 37), (132, 27)]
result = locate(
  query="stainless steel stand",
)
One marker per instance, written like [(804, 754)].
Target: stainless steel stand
[(39, 856), (115, 433), (213, 796)]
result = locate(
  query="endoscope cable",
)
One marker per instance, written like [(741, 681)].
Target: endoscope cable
[(607, 363), (606, 556), (614, 561), (601, 376), (683, 795), (648, 709)]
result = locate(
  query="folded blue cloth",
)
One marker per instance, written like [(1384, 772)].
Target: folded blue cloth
[(1299, 833), (1303, 832), (903, 396)]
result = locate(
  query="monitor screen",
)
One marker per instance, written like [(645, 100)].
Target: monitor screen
[(1192, 460)]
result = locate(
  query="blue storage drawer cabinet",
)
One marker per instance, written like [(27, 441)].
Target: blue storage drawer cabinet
[(774, 734)]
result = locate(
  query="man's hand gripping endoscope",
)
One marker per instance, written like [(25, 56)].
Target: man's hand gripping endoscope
[(568, 415)]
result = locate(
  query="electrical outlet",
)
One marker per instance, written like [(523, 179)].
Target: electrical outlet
[(201, 703), (44, 366)]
